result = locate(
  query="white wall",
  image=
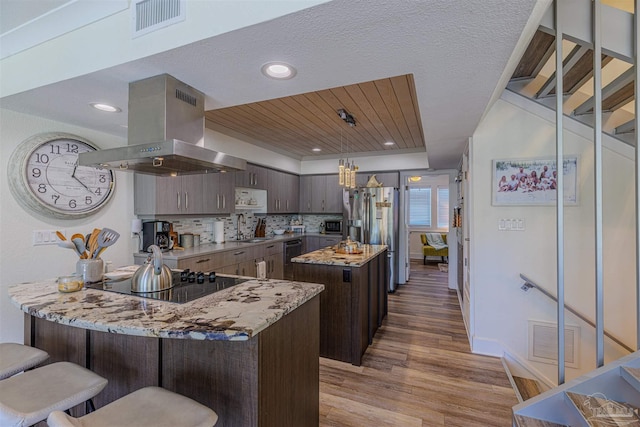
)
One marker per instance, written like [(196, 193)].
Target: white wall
[(22, 262), (498, 257)]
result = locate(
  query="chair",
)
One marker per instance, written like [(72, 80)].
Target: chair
[(16, 358), (147, 407), (29, 398), (428, 250)]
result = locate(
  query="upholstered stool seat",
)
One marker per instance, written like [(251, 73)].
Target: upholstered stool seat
[(16, 358), (29, 398), (147, 407)]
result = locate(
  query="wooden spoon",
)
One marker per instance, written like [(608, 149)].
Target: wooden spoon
[(60, 236)]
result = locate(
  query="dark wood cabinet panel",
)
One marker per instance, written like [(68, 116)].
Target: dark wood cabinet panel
[(270, 380)]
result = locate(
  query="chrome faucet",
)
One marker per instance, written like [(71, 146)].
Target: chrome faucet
[(239, 234)]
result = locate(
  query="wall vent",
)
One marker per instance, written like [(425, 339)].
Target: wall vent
[(543, 343), (151, 15), (186, 97)]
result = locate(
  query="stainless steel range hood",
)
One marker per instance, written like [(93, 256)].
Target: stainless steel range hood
[(166, 133)]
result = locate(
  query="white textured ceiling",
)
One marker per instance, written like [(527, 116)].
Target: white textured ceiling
[(457, 51)]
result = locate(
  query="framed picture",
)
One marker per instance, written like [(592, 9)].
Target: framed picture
[(533, 181)]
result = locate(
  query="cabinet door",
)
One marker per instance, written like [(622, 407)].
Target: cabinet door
[(275, 182), (389, 179), (169, 197), (218, 193), (192, 194), (305, 193), (275, 266), (312, 243), (333, 195), (290, 193), (247, 268), (318, 190), (144, 194)]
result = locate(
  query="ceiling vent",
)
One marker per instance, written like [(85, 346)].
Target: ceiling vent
[(151, 15)]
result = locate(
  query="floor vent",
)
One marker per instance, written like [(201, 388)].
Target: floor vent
[(543, 343), (151, 15)]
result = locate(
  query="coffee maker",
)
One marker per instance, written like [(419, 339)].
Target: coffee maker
[(156, 233)]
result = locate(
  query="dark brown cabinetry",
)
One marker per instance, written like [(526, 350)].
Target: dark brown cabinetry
[(270, 380), (253, 176), (352, 306), (168, 195), (320, 194), (283, 192)]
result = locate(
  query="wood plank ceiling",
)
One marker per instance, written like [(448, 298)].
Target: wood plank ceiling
[(385, 110)]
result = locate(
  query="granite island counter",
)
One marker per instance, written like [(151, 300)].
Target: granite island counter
[(249, 352), (354, 301)]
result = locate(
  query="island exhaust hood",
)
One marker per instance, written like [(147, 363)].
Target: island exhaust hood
[(166, 133)]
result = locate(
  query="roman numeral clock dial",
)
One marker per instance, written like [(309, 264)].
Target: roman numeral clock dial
[(44, 177)]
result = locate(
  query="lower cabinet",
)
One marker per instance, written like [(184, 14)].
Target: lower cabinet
[(313, 243)]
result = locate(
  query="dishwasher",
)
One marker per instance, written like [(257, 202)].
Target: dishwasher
[(292, 249)]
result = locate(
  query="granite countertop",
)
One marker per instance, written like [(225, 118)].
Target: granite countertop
[(327, 256), (211, 248), (236, 313)]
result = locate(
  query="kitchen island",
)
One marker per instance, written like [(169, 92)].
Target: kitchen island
[(249, 352), (354, 301)]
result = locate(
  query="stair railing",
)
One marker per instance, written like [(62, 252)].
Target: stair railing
[(529, 284)]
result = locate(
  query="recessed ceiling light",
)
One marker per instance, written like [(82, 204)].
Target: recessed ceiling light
[(278, 70), (388, 143), (105, 107), (316, 149)]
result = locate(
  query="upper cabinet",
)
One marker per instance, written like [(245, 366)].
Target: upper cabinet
[(170, 195), (320, 194), (197, 194), (219, 193), (253, 177), (282, 192)]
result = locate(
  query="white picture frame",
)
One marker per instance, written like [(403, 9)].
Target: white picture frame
[(533, 181)]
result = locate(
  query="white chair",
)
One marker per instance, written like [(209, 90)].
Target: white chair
[(29, 398), (147, 407), (15, 358)]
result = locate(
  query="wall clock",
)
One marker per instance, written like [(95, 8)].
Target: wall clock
[(44, 177)]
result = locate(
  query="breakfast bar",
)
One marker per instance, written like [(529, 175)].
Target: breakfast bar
[(354, 301), (250, 352)]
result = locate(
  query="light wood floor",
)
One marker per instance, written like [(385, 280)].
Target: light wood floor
[(419, 370)]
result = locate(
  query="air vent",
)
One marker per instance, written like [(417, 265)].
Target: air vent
[(151, 15), (543, 343), (185, 97)]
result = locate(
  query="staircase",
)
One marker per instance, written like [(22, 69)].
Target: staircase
[(609, 396)]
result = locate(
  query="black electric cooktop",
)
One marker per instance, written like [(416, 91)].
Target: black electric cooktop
[(187, 286)]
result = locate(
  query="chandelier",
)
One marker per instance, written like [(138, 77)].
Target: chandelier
[(346, 170)]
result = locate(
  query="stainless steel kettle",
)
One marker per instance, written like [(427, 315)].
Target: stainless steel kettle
[(153, 276)]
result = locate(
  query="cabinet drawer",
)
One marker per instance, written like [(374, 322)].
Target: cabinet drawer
[(205, 263), (272, 248), (239, 255)]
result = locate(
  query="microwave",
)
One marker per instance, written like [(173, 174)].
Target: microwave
[(333, 226)]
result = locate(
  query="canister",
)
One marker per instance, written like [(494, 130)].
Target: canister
[(186, 240), (196, 240)]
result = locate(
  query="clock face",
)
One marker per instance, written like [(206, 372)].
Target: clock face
[(51, 181)]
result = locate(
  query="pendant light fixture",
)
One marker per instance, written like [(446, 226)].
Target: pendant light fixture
[(346, 170)]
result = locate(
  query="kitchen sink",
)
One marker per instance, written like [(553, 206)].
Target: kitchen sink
[(254, 240)]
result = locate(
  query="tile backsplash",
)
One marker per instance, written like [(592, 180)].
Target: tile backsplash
[(204, 226)]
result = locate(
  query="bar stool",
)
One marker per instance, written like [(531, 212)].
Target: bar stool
[(146, 407), (29, 398), (16, 358)]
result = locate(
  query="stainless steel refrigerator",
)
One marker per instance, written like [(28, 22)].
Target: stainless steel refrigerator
[(371, 216)]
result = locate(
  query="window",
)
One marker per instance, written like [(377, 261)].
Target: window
[(420, 207), (443, 207), (423, 208)]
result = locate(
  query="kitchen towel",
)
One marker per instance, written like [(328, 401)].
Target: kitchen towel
[(218, 231), (261, 267)]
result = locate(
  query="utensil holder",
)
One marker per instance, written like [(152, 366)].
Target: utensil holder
[(91, 270)]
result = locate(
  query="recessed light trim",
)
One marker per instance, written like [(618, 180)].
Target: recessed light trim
[(316, 149), (278, 70), (389, 143), (105, 107)]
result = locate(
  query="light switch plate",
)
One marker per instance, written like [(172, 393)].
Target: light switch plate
[(46, 237)]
